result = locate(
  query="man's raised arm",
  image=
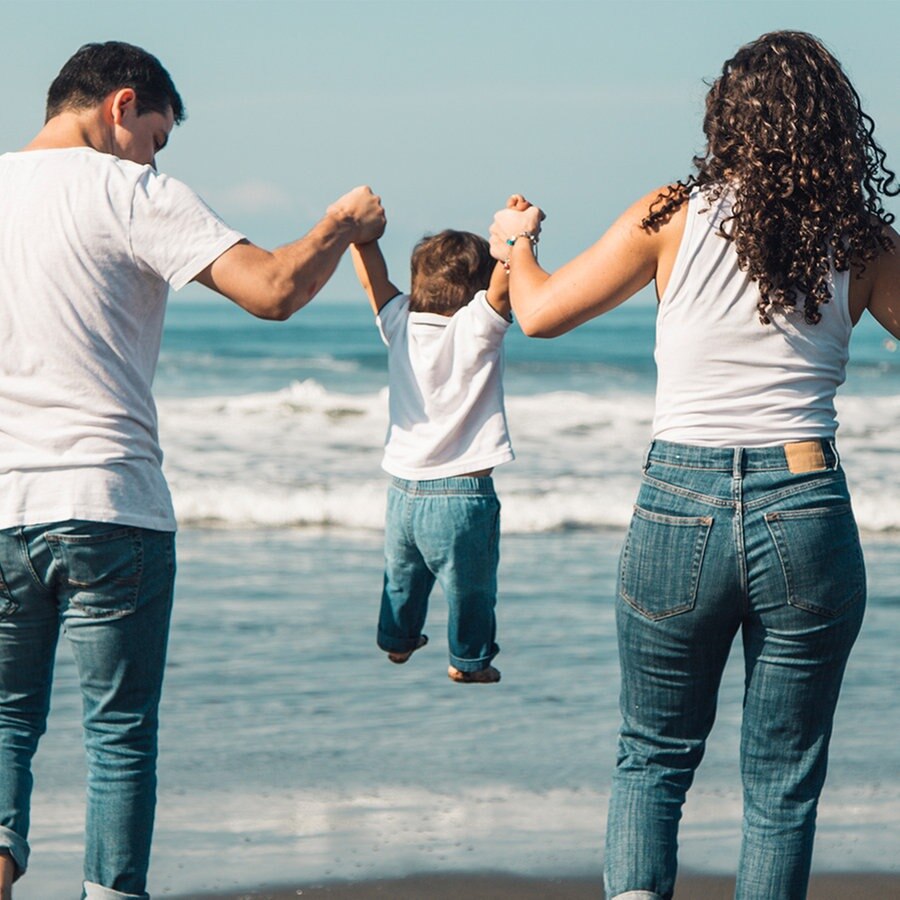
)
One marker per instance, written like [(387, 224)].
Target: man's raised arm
[(275, 284)]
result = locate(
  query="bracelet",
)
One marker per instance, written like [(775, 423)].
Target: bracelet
[(532, 237), (511, 242)]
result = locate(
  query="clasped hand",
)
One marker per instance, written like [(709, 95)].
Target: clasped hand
[(518, 216)]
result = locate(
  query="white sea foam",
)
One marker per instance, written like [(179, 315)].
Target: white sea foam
[(306, 456)]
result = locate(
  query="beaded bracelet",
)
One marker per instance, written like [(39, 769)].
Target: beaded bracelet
[(525, 234), (511, 241)]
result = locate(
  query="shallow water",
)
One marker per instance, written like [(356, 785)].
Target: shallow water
[(291, 748)]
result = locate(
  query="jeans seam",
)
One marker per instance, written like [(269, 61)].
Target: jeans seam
[(738, 525)]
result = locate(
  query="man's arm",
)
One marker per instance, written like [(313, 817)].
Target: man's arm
[(498, 291), (371, 270), (275, 284)]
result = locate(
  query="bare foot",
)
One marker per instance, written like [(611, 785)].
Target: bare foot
[(400, 658), (7, 873), (490, 675)]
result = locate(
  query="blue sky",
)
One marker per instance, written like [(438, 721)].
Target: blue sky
[(443, 107)]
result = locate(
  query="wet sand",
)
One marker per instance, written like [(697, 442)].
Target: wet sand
[(849, 886)]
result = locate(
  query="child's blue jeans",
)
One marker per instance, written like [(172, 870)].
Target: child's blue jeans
[(446, 529)]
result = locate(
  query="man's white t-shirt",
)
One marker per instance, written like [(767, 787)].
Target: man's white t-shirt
[(89, 246), (445, 376)]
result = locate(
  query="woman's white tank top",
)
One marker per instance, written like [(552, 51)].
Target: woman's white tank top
[(723, 378)]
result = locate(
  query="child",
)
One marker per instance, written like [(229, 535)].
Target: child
[(447, 431)]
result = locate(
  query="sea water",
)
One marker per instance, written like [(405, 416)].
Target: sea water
[(293, 752)]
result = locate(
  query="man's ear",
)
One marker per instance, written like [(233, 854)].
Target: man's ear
[(119, 104)]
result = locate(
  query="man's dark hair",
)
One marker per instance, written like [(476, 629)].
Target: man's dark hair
[(448, 269), (98, 69)]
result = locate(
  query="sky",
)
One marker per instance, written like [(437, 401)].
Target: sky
[(444, 108)]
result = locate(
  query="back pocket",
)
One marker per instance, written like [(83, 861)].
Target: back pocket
[(661, 561), (820, 556), (100, 569), (7, 605)]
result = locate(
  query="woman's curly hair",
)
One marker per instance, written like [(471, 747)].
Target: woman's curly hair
[(788, 140)]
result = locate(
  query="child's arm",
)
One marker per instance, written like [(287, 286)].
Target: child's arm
[(498, 291), (371, 270)]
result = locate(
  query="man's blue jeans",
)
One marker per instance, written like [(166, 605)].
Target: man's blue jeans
[(446, 529), (727, 540), (110, 587)]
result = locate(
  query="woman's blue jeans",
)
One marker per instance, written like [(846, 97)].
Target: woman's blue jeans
[(725, 540), (444, 529), (110, 588)]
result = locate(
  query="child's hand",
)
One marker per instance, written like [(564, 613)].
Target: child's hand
[(517, 201)]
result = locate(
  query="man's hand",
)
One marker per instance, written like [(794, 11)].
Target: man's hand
[(362, 211)]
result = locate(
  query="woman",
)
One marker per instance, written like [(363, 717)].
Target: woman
[(763, 261)]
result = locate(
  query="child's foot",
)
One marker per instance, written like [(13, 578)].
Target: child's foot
[(490, 675), (402, 657)]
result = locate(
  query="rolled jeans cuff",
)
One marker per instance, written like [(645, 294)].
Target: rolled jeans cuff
[(473, 665), (17, 847), (98, 892)]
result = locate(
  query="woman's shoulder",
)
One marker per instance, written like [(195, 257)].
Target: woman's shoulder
[(662, 213), (659, 206)]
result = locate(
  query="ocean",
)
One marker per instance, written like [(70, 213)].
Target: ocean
[(293, 751)]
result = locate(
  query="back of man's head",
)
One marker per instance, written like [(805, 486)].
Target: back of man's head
[(97, 70)]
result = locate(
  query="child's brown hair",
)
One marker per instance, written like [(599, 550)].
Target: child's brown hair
[(448, 269)]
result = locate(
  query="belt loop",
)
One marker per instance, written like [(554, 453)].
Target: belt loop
[(736, 464), (837, 456), (646, 464)]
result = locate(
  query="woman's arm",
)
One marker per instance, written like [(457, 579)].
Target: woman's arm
[(623, 261), (884, 301)]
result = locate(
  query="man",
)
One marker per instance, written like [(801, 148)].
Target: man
[(91, 240)]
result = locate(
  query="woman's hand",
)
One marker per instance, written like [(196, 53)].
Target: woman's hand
[(518, 216)]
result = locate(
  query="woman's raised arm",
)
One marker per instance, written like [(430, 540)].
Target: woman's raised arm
[(625, 259)]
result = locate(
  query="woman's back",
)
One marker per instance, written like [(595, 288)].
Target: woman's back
[(724, 378)]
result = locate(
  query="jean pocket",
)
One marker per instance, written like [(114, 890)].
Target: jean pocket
[(660, 566), (100, 570), (820, 556), (7, 605)]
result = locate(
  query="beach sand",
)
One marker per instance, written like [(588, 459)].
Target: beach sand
[(500, 886)]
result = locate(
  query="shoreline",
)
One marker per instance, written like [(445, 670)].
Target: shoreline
[(507, 886)]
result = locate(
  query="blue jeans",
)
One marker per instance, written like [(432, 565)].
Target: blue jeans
[(727, 540), (446, 529), (110, 587)]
